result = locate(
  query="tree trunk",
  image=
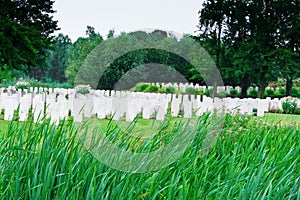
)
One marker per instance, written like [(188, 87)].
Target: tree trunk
[(217, 56), (219, 45), (263, 84), (245, 84), (262, 88), (289, 85)]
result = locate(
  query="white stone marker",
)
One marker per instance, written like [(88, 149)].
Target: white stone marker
[(52, 111), (131, 112), (108, 106), (175, 108), (88, 106), (116, 108), (147, 109), (38, 104), (262, 105), (25, 104), (187, 109), (63, 109), (99, 107), (10, 105), (162, 110), (78, 107)]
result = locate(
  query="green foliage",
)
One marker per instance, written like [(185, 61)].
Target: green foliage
[(289, 106), (277, 94), (233, 92), (282, 91), (190, 90), (269, 92), (295, 92), (22, 87), (221, 94), (151, 88), (83, 89), (200, 92), (178, 92), (252, 46), (34, 83), (58, 57), (26, 29), (5, 73), (140, 87), (62, 163), (78, 52), (161, 90), (253, 93), (170, 90), (208, 92), (137, 57)]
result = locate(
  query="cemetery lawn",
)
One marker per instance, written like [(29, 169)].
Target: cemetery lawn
[(282, 119), (151, 126), (254, 158)]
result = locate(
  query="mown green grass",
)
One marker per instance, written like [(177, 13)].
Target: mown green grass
[(282, 119), (252, 159)]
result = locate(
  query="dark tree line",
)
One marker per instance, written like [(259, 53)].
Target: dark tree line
[(26, 28), (253, 41)]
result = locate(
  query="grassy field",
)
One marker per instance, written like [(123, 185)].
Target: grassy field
[(254, 158)]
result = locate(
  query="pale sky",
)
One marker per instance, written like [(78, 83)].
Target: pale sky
[(126, 15)]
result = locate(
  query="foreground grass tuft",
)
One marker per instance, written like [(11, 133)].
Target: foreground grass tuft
[(249, 161)]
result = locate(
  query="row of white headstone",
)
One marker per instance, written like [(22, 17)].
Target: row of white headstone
[(183, 86), (61, 102)]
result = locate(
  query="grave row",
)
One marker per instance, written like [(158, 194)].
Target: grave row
[(60, 103), (183, 86), (177, 86)]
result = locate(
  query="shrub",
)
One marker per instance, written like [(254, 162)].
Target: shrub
[(282, 91), (297, 111), (170, 90), (178, 92), (277, 84), (190, 90), (199, 92), (233, 92), (83, 89), (221, 94), (151, 88), (21, 84), (208, 92), (277, 94), (141, 87), (289, 105), (5, 73), (269, 92), (253, 93), (161, 90), (295, 92)]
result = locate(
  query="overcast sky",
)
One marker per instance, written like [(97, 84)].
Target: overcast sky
[(126, 15)]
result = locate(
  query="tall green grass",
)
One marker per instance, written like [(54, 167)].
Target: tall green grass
[(249, 161)]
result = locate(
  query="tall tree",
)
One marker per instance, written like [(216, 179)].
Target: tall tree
[(57, 59), (254, 31), (79, 50), (212, 18), (25, 33), (288, 54)]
